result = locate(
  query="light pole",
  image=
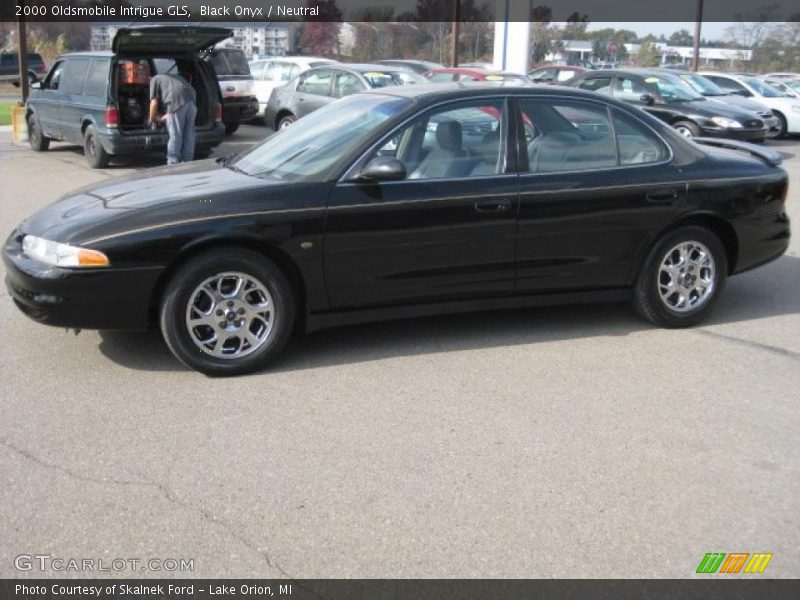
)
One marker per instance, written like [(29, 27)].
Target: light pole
[(697, 26), (455, 31)]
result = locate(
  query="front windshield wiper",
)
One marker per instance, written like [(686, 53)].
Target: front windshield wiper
[(280, 164), (225, 161)]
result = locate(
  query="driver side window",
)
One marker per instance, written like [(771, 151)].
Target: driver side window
[(454, 142), (54, 78)]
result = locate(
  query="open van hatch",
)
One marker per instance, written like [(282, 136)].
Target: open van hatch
[(167, 40)]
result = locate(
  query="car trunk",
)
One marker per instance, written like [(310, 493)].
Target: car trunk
[(146, 51)]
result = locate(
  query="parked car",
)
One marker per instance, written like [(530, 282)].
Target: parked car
[(9, 67), (100, 100), (789, 87), (356, 213), (712, 91), (665, 96), (474, 74), (554, 75), (787, 110), (239, 101), (274, 72), (322, 85), (417, 66), (782, 76)]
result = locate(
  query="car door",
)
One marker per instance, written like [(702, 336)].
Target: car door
[(595, 183), (730, 85), (73, 106), (313, 91), (596, 83), (632, 89), (445, 231), (346, 83), (47, 100)]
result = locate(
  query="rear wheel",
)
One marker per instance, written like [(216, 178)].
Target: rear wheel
[(202, 153), (36, 138), (687, 129), (228, 312), (682, 278), (285, 121), (230, 128), (93, 150)]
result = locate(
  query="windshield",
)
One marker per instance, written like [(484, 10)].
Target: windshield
[(379, 79), (309, 148), (762, 88), (674, 89), (792, 83), (703, 86)]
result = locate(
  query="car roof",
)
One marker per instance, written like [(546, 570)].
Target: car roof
[(476, 89), (364, 67), (89, 54)]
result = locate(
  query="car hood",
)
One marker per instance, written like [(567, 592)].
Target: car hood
[(738, 101), (152, 198)]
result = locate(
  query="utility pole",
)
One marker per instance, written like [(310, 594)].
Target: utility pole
[(23, 53), (455, 32), (698, 23)]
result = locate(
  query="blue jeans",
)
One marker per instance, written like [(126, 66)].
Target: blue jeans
[(180, 127)]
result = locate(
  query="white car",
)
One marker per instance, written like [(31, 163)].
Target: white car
[(270, 73), (790, 87), (786, 109)]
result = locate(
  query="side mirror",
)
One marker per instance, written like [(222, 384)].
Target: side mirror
[(36, 85), (647, 99), (383, 168)]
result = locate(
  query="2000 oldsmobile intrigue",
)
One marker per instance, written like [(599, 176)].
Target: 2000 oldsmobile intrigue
[(402, 202)]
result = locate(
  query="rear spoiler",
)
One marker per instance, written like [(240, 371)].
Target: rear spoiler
[(770, 157)]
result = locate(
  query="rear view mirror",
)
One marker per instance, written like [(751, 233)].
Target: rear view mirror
[(383, 168), (647, 99)]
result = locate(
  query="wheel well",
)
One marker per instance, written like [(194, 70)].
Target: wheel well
[(280, 258), (85, 125), (723, 230)]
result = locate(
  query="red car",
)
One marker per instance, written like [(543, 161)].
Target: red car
[(555, 75), (472, 74)]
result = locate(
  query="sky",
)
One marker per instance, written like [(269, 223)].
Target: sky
[(712, 30)]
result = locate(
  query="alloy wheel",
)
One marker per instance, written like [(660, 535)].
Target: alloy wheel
[(686, 276), (230, 315)]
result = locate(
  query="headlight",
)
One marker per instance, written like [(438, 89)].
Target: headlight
[(62, 255), (725, 122)]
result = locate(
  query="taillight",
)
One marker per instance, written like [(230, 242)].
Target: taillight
[(112, 116), (218, 113)]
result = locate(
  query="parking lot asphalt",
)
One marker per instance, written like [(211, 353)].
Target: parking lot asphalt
[(553, 442)]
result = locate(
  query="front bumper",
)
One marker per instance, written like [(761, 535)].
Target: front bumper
[(105, 298), (238, 109), (743, 135)]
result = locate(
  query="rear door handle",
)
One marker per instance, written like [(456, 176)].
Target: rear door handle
[(492, 205), (662, 196)]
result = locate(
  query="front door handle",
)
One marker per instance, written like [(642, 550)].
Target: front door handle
[(662, 196), (492, 205)]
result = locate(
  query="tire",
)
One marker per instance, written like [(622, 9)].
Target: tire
[(202, 153), (686, 129), (230, 128), (93, 150), (285, 121), (233, 354), (783, 127), (653, 298), (36, 138)]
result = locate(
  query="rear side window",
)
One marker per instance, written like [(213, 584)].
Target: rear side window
[(230, 62), (316, 82), (627, 88), (637, 144), (442, 77), (97, 79), (75, 75), (596, 84), (567, 136)]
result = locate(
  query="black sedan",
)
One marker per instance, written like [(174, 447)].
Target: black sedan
[(668, 97), (404, 202)]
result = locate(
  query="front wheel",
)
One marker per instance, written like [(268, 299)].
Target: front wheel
[(783, 127), (682, 278), (36, 138), (228, 312), (687, 129), (230, 128), (285, 121)]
